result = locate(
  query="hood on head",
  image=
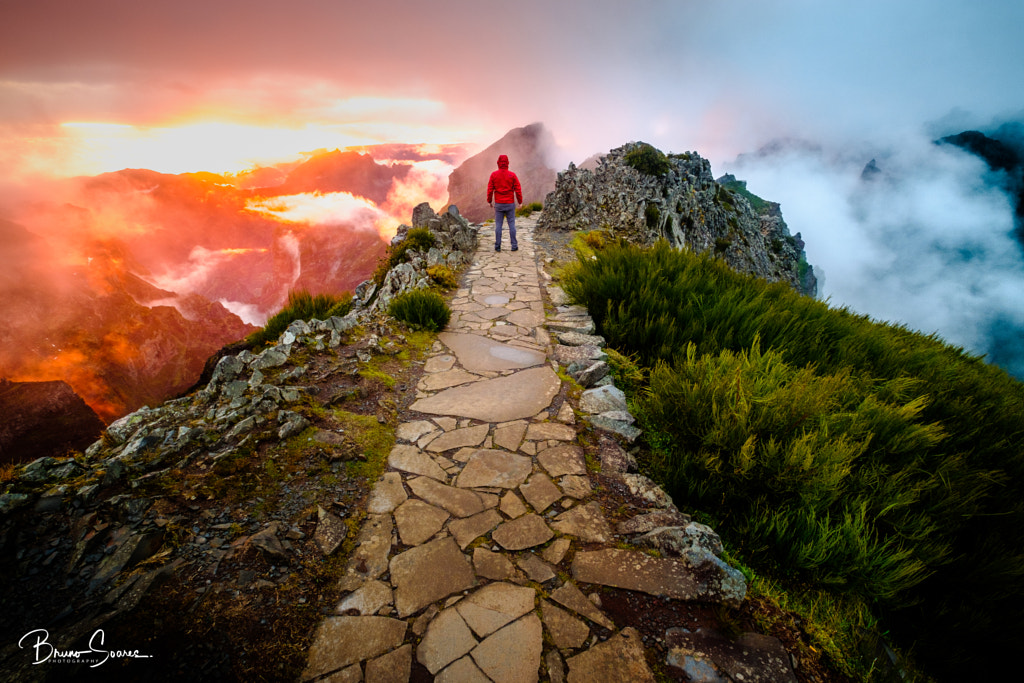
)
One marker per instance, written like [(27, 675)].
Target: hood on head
[(503, 161)]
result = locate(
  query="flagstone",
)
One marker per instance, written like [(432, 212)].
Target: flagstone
[(511, 505), (463, 454), (543, 431), (459, 502), (525, 318), (394, 667), (495, 605), (555, 552), (411, 459), (463, 670), (555, 665), (503, 399), (494, 468), (441, 363), (650, 521), (469, 529), (411, 431), (446, 423), (428, 573), (478, 353), (387, 494), (447, 638), (510, 436), (342, 641), (634, 570), (566, 414), (521, 533), (493, 313), (585, 522), (572, 597), (509, 331), (491, 565), (459, 438), (563, 459), (540, 492), (512, 655), (620, 658), (536, 569), (366, 600), (566, 630), (370, 558), (351, 674), (418, 521), (444, 380), (575, 486), (489, 500)]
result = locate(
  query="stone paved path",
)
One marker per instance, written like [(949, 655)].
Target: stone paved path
[(476, 534)]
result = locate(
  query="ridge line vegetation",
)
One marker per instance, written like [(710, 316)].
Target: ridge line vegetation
[(831, 451)]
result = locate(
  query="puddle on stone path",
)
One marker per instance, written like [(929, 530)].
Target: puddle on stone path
[(511, 353)]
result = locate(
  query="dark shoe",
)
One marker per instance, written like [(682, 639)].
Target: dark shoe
[(497, 249), (515, 248)]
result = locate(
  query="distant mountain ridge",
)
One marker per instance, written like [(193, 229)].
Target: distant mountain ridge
[(527, 149), (999, 156), (123, 289)]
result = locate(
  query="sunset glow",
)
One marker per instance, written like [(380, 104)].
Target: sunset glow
[(218, 147)]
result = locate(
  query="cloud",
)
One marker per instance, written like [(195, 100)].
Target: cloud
[(191, 275), (193, 85), (928, 242)]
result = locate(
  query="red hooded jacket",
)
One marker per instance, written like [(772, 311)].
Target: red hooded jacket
[(503, 185)]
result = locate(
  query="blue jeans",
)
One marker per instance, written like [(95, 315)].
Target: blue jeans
[(505, 212)]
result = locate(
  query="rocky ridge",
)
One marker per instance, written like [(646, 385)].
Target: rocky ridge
[(684, 205), (540, 507), (156, 496)]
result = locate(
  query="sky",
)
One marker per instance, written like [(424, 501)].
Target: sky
[(89, 86)]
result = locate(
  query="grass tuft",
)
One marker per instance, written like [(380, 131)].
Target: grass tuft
[(301, 306), (421, 309)]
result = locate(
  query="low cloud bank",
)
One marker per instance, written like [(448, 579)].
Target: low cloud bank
[(923, 237)]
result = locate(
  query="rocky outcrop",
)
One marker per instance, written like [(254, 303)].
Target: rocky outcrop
[(527, 149), (43, 419), (455, 240), (684, 205)]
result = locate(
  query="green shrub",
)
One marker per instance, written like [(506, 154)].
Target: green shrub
[(343, 307), (740, 187), (443, 276), (526, 210), (421, 309), (648, 160), (652, 215), (849, 454), (417, 239), (301, 306)]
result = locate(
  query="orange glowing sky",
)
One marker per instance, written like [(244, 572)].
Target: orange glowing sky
[(194, 85)]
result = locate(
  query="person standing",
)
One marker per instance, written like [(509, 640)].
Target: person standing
[(503, 187)]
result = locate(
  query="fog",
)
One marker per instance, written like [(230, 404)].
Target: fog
[(93, 87), (927, 241)]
